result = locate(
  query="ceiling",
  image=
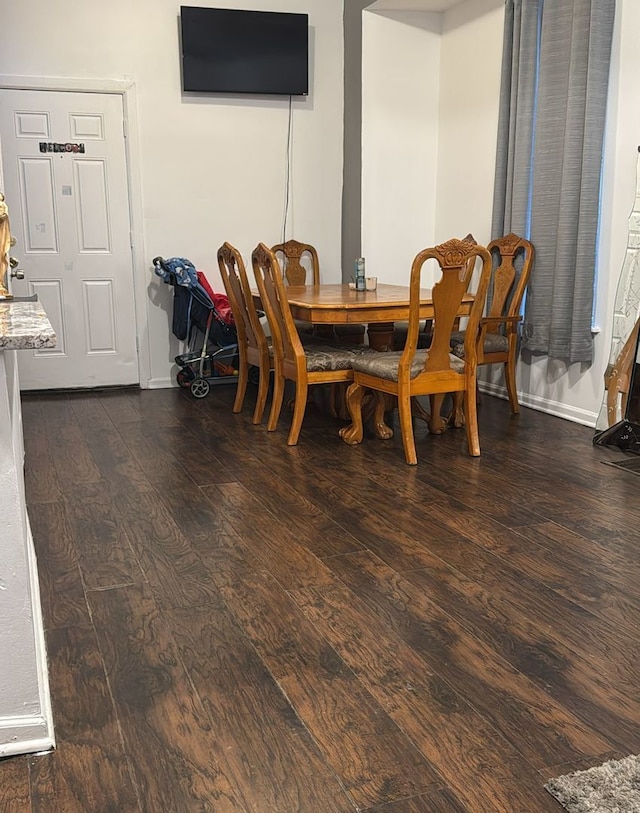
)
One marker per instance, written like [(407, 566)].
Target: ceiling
[(415, 5)]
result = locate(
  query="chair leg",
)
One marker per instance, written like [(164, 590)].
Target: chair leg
[(457, 413), (263, 389), (299, 406), (353, 433), (437, 424), (623, 402), (276, 401), (510, 379), (380, 407), (243, 376), (406, 428), (471, 420), (612, 403)]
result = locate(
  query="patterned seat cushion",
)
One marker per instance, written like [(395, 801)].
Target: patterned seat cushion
[(385, 365), (324, 358), (493, 343)]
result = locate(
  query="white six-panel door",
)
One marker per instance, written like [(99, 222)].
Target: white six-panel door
[(70, 216)]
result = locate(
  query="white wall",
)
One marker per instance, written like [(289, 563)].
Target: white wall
[(401, 76), (211, 168), (468, 118)]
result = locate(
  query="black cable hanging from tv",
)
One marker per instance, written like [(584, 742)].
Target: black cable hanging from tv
[(287, 174)]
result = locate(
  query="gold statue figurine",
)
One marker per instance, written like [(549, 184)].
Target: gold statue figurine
[(6, 242)]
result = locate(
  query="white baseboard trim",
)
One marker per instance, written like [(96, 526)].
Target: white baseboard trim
[(161, 383), (25, 735), (569, 413)]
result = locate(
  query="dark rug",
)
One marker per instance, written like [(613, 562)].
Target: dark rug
[(613, 787)]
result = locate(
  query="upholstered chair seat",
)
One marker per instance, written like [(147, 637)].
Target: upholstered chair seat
[(321, 358), (493, 343), (386, 365)]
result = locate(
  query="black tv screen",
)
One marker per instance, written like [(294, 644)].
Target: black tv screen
[(234, 51)]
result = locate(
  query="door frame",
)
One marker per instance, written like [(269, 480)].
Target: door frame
[(127, 90)]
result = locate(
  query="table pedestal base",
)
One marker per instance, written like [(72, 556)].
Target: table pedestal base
[(380, 336)]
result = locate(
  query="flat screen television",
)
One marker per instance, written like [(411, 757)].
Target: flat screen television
[(234, 51)]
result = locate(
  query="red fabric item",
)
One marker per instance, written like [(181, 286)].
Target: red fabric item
[(220, 301), (205, 283)]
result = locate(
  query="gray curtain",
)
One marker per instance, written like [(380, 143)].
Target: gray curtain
[(512, 190), (554, 200)]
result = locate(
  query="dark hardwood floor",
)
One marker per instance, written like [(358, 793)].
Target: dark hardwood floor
[(235, 625)]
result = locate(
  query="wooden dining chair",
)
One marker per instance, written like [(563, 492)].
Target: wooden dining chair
[(299, 262), (254, 348), (292, 361), (434, 371), (512, 258)]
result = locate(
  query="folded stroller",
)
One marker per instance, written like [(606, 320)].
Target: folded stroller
[(204, 320)]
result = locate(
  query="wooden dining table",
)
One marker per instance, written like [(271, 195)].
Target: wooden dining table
[(338, 304)]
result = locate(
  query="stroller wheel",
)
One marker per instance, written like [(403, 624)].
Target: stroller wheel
[(184, 378), (254, 375), (200, 388)]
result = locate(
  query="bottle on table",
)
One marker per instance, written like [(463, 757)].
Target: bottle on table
[(360, 276)]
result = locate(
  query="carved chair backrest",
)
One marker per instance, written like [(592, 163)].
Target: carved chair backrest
[(509, 282), (297, 260), (457, 260), (236, 285), (284, 336)]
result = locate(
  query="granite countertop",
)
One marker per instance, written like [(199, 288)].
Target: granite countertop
[(24, 326)]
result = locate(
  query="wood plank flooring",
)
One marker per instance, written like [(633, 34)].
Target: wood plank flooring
[(236, 625)]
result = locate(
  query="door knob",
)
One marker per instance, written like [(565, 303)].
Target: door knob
[(15, 272)]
